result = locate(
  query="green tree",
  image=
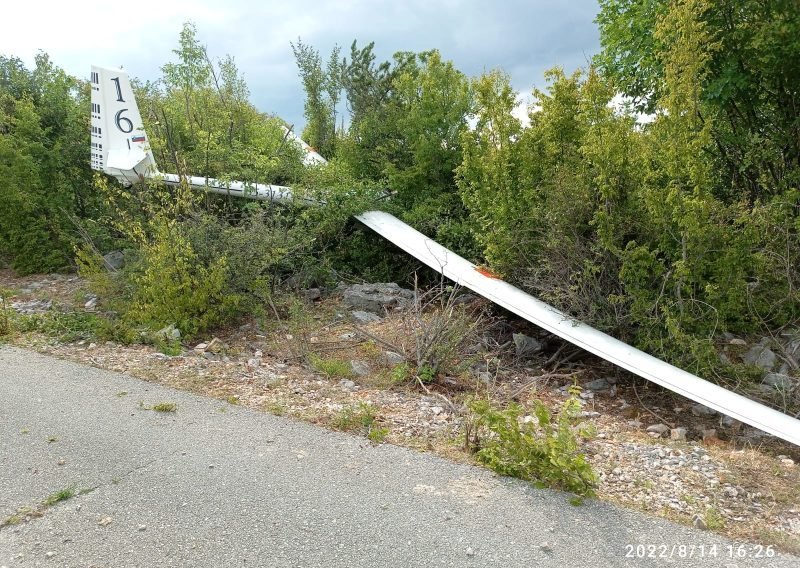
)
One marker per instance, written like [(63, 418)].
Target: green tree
[(45, 182), (749, 91), (323, 89)]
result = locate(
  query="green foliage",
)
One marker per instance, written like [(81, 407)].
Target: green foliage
[(323, 90), (540, 448), (750, 86), (199, 120), (406, 121), (44, 176), (64, 326)]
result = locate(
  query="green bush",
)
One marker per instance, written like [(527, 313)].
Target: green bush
[(544, 450)]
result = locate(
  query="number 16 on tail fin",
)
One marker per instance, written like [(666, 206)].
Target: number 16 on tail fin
[(119, 143)]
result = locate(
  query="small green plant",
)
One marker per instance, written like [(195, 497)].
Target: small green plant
[(165, 407), (58, 496), (234, 400), (401, 373), (540, 448), (360, 418), (277, 408), (171, 347), (332, 368), (377, 435), (713, 518), (426, 374), (19, 516)]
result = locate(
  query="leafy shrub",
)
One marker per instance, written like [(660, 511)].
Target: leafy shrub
[(543, 450), (44, 176)]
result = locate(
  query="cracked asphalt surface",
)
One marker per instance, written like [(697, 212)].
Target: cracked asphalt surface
[(206, 487)]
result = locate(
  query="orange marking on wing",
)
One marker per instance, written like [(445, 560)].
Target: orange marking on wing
[(488, 273)]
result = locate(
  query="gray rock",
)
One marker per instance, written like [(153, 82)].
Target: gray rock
[(737, 341), (465, 299), (169, 333), (377, 298), (779, 382), (729, 422), (31, 306), (761, 356), (526, 345), (91, 304), (699, 523), (348, 385), (312, 294), (393, 358), (114, 260), (678, 434), (360, 368), (363, 317), (659, 429), (597, 385), (703, 411)]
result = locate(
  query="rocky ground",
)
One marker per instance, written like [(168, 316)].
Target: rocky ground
[(653, 450)]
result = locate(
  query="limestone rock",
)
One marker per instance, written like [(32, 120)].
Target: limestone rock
[(779, 382), (392, 358), (169, 333), (360, 368), (376, 298), (659, 429), (114, 260), (526, 345), (761, 356), (362, 317)]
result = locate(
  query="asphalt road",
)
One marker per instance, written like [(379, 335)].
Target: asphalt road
[(202, 487)]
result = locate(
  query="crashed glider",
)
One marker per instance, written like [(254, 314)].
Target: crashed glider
[(120, 148)]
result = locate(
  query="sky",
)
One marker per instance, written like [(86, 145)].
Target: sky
[(523, 37)]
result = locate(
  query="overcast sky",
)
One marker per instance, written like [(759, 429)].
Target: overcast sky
[(523, 37)]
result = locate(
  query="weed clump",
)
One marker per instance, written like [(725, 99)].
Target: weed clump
[(165, 407), (540, 448), (360, 418)]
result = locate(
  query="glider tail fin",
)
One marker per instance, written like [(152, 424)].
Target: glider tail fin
[(119, 143)]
